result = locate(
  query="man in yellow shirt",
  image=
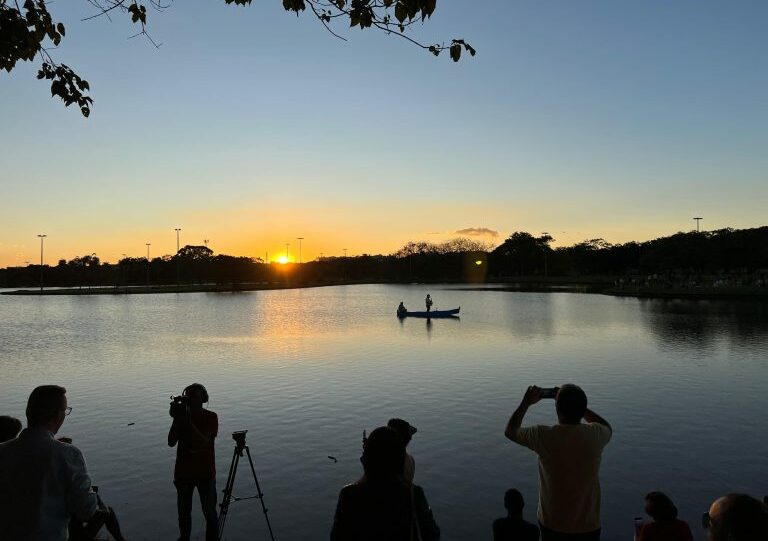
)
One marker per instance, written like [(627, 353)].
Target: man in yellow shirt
[(569, 462)]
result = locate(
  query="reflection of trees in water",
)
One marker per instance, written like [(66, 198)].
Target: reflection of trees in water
[(700, 324)]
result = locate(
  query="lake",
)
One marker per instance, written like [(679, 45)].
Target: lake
[(305, 371)]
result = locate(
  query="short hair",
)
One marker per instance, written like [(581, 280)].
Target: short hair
[(44, 404), (571, 403), (200, 387), (383, 454), (744, 518), (9, 428), (513, 501), (660, 507)]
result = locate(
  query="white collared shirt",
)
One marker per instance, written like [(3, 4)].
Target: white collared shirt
[(43, 483)]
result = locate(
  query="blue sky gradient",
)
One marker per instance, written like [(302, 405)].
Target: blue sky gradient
[(250, 126)]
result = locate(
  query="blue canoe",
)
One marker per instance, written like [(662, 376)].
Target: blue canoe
[(431, 314)]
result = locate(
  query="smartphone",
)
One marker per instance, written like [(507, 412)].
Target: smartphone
[(548, 392)]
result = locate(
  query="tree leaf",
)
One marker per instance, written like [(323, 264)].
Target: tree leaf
[(401, 12), (455, 52)]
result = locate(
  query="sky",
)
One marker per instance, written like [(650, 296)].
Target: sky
[(252, 127)]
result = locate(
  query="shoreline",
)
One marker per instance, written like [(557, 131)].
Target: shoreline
[(588, 286)]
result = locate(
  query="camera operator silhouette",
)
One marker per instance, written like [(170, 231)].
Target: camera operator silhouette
[(194, 429)]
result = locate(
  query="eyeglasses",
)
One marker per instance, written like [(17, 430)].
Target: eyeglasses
[(68, 410)]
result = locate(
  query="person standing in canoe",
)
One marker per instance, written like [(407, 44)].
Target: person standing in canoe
[(428, 302)]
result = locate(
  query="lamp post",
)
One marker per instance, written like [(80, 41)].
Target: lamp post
[(345, 253), (94, 273), (42, 237), (300, 239), (178, 272), (698, 219), (148, 245), (286, 252)]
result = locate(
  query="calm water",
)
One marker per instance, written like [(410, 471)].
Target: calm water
[(305, 371)]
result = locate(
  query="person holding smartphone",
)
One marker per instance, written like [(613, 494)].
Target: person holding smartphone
[(569, 462)]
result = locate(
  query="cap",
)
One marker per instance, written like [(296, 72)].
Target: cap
[(402, 427)]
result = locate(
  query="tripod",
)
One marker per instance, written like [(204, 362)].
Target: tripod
[(240, 446)]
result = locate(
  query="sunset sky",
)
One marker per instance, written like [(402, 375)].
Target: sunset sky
[(251, 127)]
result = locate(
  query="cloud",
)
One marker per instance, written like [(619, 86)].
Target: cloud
[(478, 232)]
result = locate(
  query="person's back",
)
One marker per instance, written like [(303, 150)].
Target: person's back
[(665, 526), (569, 463), (674, 530), (514, 529), (378, 511), (382, 506)]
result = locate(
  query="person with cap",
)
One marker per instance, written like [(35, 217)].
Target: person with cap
[(381, 506), (405, 431)]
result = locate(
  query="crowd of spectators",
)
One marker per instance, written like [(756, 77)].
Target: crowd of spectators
[(46, 493)]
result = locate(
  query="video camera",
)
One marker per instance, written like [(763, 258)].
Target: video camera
[(179, 406)]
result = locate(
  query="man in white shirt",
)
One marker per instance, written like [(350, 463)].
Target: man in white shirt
[(44, 481), (569, 463)]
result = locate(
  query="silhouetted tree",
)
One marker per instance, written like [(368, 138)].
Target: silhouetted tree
[(194, 253), (740, 256), (28, 31), (521, 253)]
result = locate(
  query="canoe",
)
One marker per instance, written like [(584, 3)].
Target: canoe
[(454, 312)]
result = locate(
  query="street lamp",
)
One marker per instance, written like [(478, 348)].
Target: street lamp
[(300, 239), (41, 260), (345, 252), (177, 238), (697, 223), (148, 245), (286, 252)]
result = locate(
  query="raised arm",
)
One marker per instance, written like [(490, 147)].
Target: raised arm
[(531, 396), (592, 417)]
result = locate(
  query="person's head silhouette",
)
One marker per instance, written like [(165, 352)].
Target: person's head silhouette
[(197, 395), (9, 428), (383, 455), (514, 503), (660, 507), (737, 517), (403, 429), (47, 407), (571, 404)]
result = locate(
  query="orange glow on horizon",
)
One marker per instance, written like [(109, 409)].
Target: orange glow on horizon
[(282, 260)]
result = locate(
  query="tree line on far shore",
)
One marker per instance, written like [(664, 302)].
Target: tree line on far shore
[(725, 252)]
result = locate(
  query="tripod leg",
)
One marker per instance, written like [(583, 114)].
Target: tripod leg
[(261, 496), (227, 492)]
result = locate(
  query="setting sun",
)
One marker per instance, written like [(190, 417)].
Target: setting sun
[(282, 260)]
